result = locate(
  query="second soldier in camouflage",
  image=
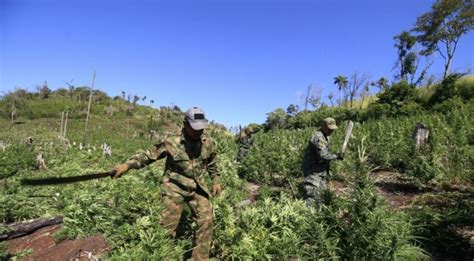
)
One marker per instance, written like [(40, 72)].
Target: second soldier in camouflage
[(316, 163)]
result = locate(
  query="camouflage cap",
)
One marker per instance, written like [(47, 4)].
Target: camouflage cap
[(196, 118), (330, 123)]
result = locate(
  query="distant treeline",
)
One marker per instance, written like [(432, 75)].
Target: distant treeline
[(399, 99)]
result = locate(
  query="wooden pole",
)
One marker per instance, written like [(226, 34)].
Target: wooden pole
[(88, 110), (62, 124), (65, 124), (128, 125), (13, 110)]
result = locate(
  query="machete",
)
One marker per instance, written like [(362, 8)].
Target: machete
[(347, 137), (63, 180)]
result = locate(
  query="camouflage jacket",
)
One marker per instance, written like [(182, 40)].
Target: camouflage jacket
[(317, 155), (244, 146), (186, 163)]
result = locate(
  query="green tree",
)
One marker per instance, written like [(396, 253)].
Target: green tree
[(409, 58), (400, 92), (292, 109), (441, 29), (404, 42), (44, 91), (341, 82), (276, 119)]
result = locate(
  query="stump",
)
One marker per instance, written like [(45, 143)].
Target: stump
[(420, 135)]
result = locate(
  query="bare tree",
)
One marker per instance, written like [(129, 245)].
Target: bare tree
[(306, 100), (356, 82), (71, 89), (313, 97)]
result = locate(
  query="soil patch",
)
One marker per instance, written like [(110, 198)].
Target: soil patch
[(43, 247)]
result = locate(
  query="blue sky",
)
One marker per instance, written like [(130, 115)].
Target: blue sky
[(238, 59)]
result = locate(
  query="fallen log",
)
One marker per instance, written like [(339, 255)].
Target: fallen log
[(28, 227)]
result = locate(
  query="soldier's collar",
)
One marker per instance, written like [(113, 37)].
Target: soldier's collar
[(182, 139)]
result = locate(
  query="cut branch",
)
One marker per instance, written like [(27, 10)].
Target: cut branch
[(26, 228)]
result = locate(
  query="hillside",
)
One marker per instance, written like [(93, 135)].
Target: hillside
[(388, 200)]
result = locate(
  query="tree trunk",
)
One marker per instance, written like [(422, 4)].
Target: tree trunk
[(340, 96), (447, 65)]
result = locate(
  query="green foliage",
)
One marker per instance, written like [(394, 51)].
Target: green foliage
[(367, 230), (315, 118), (276, 119), (465, 87), (448, 89), (276, 155), (277, 152), (272, 230), (355, 226), (15, 158), (404, 42), (447, 21), (438, 218), (399, 100), (399, 92)]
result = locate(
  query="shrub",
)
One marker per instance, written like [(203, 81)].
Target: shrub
[(447, 89), (15, 158), (276, 153)]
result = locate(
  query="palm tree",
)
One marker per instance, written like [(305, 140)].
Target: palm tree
[(341, 82), (382, 83)]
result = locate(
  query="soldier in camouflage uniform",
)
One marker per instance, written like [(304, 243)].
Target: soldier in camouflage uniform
[(245, 142), (316, 163), (189, 156)]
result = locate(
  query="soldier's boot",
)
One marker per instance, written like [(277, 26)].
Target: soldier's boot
[(202, 210)]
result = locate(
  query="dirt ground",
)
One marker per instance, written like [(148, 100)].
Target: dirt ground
[(41, 246)]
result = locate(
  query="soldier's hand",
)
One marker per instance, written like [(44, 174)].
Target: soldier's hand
[(119, 170), (340, 156), (216, 189)]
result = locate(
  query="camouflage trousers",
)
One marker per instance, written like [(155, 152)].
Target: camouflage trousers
[(313, 188), (174, 198)]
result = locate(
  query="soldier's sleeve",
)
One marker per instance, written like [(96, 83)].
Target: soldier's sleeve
[(146, 157), (322, 149), (212, 165)]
